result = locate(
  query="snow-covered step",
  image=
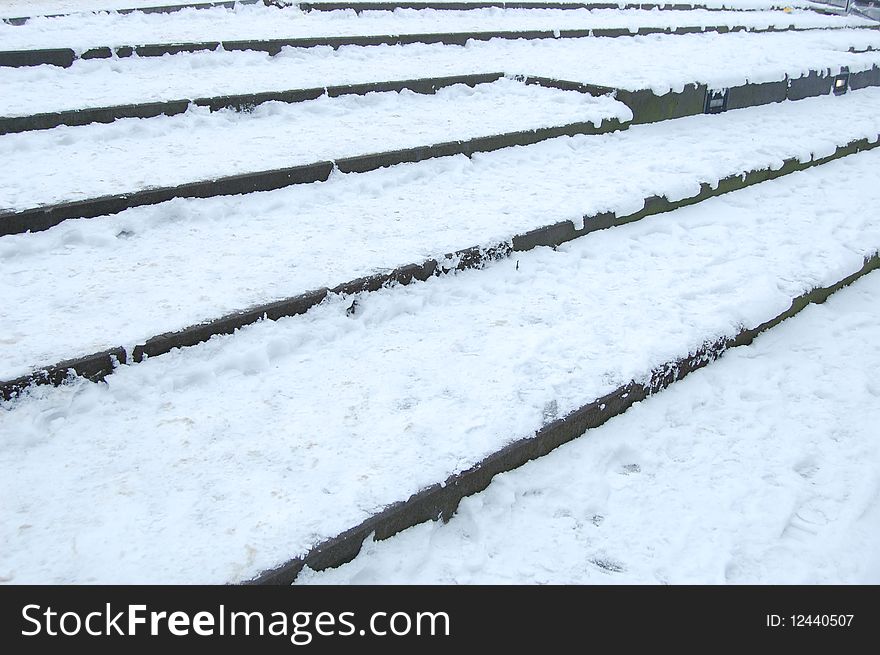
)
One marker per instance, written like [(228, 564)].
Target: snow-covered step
[(215, 463), (153, 270), (239, 102), (19, 12), (659, 63), (646, 105), (62, 40), (762, 468), (105, 165), (82, 31), (17, 8)]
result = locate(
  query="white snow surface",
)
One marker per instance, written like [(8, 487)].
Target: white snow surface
[(20, 8), (763, 468), (91, 284), (23, 8), (81, 31), (73, 163), (212, 463), (658, 62)]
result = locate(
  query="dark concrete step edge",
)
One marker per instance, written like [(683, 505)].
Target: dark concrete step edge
[(238, 102), (321, 5), (441, 501), (48, 216), (65, 57), (99, 365), (164, 9), (648, 107)]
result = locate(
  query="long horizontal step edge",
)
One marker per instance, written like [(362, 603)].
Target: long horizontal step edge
[(244, 101), (48, 216), (440, 501), (65, 57), (320, 5), (391, 6), (99, 365), (646, 106)]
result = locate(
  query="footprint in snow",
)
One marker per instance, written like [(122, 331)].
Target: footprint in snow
[(607, 564)]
